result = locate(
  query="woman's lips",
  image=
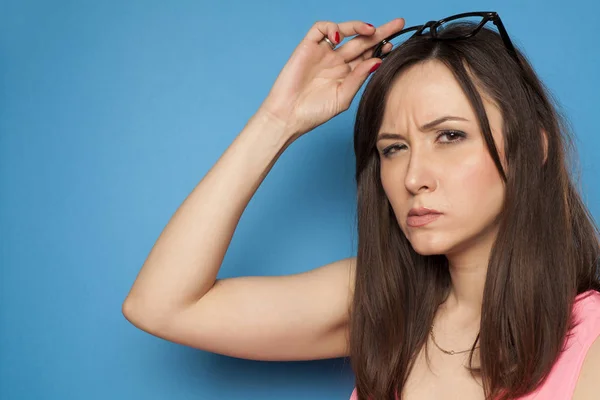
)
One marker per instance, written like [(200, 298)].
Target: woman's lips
[(415, 221)]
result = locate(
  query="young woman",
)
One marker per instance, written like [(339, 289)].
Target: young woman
[(477, 267)]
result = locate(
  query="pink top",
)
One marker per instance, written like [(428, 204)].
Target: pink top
[(562, 379)]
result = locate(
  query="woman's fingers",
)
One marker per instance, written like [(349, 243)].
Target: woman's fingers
[(354, 80), (358, 48), (360, 45), (352, 28), (369, 54), (337, 32)]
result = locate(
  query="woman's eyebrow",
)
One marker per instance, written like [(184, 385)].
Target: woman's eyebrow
[(438, 121), (425, 127)]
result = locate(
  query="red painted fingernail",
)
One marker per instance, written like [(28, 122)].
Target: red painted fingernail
[(374, 67), (371, 25), (337, 37)]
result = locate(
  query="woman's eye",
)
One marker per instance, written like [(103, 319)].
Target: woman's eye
[(391, 149), (452, 136)]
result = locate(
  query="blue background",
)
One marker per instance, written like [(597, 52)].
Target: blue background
[(111, 112)]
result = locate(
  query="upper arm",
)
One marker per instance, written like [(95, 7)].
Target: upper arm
[(292, 317)]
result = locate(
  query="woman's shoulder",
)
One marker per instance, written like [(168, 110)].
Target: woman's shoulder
[(586, 307), (584, 346), (586, 319), (588, 295), (564, 376)]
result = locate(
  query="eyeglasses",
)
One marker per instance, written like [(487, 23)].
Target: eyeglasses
[(432, 28)]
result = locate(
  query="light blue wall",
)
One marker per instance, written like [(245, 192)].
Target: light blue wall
[(112, 111)]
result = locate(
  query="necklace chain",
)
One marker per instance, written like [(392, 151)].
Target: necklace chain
[(450, 352)]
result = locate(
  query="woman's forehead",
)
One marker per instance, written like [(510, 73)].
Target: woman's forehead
[(426, 91)]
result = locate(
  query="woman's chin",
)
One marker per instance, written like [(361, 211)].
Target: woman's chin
[(429, 247), (428, 251)]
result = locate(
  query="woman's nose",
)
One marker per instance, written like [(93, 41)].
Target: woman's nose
[(419, 173)]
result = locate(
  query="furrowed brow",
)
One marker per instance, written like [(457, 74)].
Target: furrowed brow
[(426, 127)]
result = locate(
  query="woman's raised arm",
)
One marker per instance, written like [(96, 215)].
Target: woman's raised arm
[(176, 295)]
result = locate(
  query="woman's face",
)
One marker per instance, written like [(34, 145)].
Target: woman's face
[(445, 167)]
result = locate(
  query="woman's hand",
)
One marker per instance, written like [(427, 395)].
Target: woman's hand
[(317, 82)]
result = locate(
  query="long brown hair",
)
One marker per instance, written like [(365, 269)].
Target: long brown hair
[(546, 251)]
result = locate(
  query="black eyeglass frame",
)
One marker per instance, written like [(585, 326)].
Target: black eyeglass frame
[(434, 25)]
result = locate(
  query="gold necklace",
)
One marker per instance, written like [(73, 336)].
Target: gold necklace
[(450, 352)]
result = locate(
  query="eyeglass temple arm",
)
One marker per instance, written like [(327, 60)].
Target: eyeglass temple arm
[(379, 47), (506, 38)]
